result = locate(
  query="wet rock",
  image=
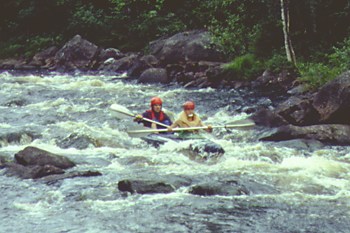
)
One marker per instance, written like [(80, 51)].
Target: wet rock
[(32, 171), (35, 156), (110, 53), (17, 136), (330, 134), (298, 111), (51, 179), (154, 75), (119, 65), (2, 162), (17, 101), (205, 150), (76, 141), (145, 186), (45, 57), (301, 144), (138, 161), (332, 101), (76, 54), (227, 188), (276, 84), (192, 45), (142, 64), (268, 118), (9, 64)]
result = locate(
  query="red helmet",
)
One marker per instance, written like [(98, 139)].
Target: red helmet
[(156, 100), (189, 105)]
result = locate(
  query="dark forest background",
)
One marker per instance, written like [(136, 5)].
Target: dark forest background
[(248, 31)]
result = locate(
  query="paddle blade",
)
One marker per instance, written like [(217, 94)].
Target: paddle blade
[(240, 124), (121, 112)]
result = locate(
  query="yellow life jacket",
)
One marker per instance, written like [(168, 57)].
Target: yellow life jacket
[(183, 121)]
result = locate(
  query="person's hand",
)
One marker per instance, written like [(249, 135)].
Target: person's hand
[(209, 128), (138, 118), (170, 129)]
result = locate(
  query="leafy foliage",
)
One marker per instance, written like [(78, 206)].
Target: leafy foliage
[(245, 67), (248, 31)]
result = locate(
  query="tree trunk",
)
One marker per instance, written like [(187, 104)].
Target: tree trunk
[(287, 41)]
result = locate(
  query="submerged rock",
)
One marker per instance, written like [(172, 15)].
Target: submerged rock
[(145, 186), (34, 156), (227, 188), (32, 171), (205, 150), (76, 141), (55, 178)]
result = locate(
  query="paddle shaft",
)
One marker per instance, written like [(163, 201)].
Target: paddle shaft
[(128, 113), (190, 128)]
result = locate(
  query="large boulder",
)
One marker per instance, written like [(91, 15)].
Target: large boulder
[(44, 58), (35, 156), (298, 111), (32, 171), (109, 53), (140, 65), (276, 83), (154, 75), (120, 65), (328, 133), (76, 54), (268, 117), (193, 45), (332, 101)]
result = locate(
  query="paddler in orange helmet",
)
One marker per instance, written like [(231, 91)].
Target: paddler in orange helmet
[(188, 118), (155, 114)]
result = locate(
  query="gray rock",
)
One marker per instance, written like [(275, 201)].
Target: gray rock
[(154, 75), (193, 45), (32, 171), (298, 111), (331, 133), (35, 156), (76, 54), (145, 186), (332, 101)]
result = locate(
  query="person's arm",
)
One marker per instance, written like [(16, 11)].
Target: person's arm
[(173, 125), (209, 129)]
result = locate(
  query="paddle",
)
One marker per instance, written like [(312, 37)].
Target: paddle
[(239, 124), (123, 111)]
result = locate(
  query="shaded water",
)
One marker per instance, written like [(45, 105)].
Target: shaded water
[(290, 189)]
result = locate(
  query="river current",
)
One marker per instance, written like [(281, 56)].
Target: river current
[(291, 189)]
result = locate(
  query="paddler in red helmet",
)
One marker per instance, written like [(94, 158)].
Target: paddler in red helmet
[(155, 114), (188, 118)]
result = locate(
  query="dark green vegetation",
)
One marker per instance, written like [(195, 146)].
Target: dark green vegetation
[(248, 31)]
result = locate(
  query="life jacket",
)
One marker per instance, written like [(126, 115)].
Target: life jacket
[(184, 122), (153, 115)]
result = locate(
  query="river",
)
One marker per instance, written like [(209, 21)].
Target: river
[(291, 189)]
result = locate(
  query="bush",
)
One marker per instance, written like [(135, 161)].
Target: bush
[(27, 47), (245, 67), (278, 62), (314, 75)]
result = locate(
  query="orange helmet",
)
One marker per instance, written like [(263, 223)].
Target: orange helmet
[(156, 100), (189, 105)]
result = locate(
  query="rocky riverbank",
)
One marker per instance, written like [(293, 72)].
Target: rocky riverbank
[(192, 60)]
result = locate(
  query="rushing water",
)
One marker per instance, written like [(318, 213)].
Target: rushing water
[(290, 189)]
